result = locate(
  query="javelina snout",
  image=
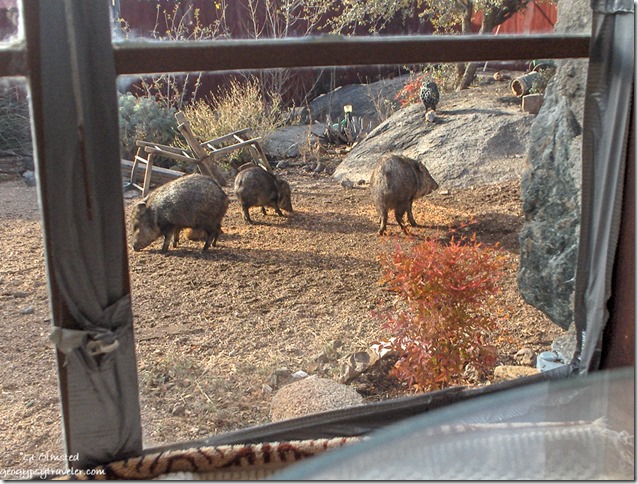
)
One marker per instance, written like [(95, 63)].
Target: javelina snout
[(255, 187), (191, 201), (395, 183)]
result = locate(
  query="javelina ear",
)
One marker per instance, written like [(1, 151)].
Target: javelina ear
[(141, 206)]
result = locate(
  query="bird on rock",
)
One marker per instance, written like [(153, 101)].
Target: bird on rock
[(429, 95)]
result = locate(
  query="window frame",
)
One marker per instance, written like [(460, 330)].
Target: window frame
[(85, 28)]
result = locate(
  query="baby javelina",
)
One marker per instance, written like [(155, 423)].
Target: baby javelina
[(255, 187), (395, 183), (191, 201)]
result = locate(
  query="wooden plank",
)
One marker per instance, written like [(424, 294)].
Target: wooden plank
[(173, 149), (226, 138), (173, 156), (140, 56), (76, 139), (237, 146)]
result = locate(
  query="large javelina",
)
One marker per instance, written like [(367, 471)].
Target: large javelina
[(395, 182), (191, 201), (255, 187)]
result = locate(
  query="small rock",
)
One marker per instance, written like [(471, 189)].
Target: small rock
[(29, 178), (430, 116), (525, 357), (27, 310), (319, 168), (347, 184), (312, 395), (532, 103), (299, 375), (361, 182), (283, 164), (279, 378), (178, 410)]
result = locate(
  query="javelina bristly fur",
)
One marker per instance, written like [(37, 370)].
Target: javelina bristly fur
[(255, 187), (395, 183), (191, 201)]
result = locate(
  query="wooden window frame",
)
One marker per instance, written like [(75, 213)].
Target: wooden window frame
[(62, 108)]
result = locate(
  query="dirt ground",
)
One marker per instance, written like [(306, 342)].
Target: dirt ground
[(211, 328)]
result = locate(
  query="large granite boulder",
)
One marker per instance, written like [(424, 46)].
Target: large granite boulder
[(368, 101), (551, 183), (480, 137)]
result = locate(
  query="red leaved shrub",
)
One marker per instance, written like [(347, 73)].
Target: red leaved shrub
[(445, 310), (409, 93)]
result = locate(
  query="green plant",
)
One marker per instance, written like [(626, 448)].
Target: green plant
[(240, 105), (539, 84), (145, 118), (15, 128), (445, 309)]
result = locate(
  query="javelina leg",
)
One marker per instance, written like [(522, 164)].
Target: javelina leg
[(410, 216), (278, 211), (167, 240), (176, 237), (244, 209), (398, 214), (383, 221), (212, 238), (263, 210)]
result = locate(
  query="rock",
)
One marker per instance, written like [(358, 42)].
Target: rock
[(279, 378), (532, 103), (501, 76), (290, 141), (27, 310), (365, 100), (319, 363), (282, 164), (525, 357), (565, 345), (319, 168), (551, 184), (29, 178), (178, 410), (493, 153), (502, 373), (312, 395), (347, 184)]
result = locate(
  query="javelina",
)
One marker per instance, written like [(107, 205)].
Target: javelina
[(191, 201), (395, 182), (255, 187)]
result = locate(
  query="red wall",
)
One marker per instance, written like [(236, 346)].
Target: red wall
[(537, 17)]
